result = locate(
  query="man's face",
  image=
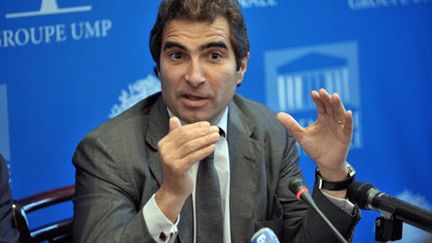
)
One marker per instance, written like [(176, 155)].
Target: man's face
[(198, 69)]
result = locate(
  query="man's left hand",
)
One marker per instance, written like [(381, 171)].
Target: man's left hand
[(327, 140)]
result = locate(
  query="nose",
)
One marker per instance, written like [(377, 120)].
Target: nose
[(194, 75)]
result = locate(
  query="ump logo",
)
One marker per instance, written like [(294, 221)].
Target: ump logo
[(49, 7), (52, 33), (4, 123), (293, 73)]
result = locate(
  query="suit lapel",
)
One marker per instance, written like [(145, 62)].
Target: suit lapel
[(158, 127), (245, 160)]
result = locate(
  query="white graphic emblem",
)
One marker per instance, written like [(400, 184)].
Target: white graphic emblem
[(257, 3), (136, 92), (4, 123), (293, 73), (49, 7)]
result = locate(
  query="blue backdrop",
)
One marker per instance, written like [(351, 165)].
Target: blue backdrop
[(67, 66)]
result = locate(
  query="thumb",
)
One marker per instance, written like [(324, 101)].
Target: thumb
[(174, 123), (290, 124)]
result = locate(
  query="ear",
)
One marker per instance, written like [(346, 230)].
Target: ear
[(243, 67)]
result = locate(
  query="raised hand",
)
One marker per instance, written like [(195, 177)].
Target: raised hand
[(327, 140), (179, 150)]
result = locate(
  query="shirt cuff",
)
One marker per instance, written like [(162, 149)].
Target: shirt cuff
[(160, 227), (344, 204)]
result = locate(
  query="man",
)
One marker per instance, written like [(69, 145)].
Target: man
[(138, 175), (7, 233)]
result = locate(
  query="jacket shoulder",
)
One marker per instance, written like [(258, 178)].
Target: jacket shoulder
[(129, 124), (259, 114)]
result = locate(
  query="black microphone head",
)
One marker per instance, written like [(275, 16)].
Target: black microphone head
[(296, 184), (358, 193)]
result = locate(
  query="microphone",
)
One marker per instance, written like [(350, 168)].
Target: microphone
[(366, 196), (264, 235), (297, 186)]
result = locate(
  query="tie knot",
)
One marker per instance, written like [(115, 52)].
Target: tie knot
[(221, 132), (209, 158)]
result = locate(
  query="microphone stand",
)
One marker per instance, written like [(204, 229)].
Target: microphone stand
[(388, 229), (302, 193), (394, 211)]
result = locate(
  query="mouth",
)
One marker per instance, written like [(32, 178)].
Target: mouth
[(194, 101), (194, 97)]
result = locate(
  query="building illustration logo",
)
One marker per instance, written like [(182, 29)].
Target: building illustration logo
[(136, 92), (4, 123), (293, 73), (49, 7)]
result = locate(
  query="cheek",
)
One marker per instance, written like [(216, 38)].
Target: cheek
[(228, 85), (168, 79)]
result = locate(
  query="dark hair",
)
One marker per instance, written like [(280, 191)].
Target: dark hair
[(205, 11)]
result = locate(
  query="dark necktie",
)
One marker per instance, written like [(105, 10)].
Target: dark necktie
[(208, 203)]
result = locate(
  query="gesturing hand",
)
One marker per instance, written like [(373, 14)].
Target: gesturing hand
[(327, 140), (178, 151)]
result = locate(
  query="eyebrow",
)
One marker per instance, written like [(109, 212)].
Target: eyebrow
[(171, 44), (217, 44)]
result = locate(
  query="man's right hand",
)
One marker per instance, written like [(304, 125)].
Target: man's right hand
[(179, 150)]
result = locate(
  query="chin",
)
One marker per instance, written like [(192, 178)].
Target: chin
[(192, 117)]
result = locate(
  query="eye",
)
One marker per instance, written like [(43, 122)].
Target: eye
[(214, 56), (176, 56)]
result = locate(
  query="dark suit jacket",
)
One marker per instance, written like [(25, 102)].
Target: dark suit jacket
[(7, 233), (118, 169)]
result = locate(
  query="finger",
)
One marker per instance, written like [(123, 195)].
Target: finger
[(179, 135), (338, 108), (348, 125), (177, 145), (186, 134), (326, 100), (291, 125), (174, 123), (187, 154), (198, 155), (184, 163), (319, 105), (182, 133), (197, 144)]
